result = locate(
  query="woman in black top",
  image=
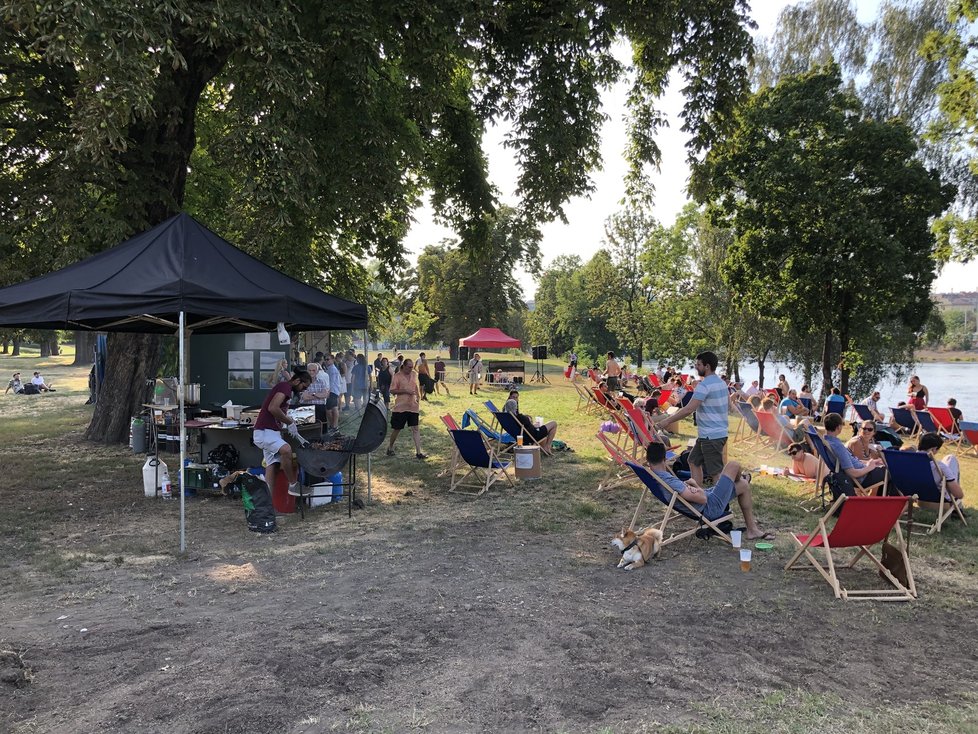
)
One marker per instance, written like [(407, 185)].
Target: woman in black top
[(384, 380)]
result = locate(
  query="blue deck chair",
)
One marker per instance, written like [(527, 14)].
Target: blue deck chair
[(676, 506), (929, 425), (904, 418), (478, 457), (748, 427), (863, 412), (502, 440), (808, 404), (514, 428), (911, 473), (969, 436), (491, 407), (835, 406)]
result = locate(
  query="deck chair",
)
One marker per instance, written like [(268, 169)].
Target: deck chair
[(863, 412), (969, 436), (904, 418), (747, 429), (925, 418), (618, 470), (664, 396), (514, 428), (911, 475), (831, 461), (835, 406), (949, 427), (772, 432), (451, 425), (585, 400), (862, 523), (676, 507), (602, 400), (478, 456), (809, 405), (503, 441)]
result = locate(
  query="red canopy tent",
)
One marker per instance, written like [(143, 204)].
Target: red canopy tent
[(489, 339)]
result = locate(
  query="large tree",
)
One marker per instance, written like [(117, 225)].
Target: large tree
[(322, 123), (831, 213)]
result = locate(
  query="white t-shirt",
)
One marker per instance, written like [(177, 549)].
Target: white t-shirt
[(37, 380)]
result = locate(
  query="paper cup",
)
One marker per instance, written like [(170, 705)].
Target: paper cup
[(735, 536)]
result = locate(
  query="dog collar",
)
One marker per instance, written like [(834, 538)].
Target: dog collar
[(629, 546)]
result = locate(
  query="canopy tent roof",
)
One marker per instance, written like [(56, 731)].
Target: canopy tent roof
[(489, 338), (144, 283)]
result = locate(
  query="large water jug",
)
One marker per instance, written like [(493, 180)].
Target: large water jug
[(153, 472)]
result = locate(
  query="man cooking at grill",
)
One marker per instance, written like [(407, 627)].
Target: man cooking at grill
[(268, 430)]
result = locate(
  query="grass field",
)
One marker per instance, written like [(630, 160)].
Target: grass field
[(430, 611)]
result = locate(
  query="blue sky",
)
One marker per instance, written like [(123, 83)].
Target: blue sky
[(584, 232)]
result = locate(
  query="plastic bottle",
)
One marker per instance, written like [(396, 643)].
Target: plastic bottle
[(158, 392), (166, 489)]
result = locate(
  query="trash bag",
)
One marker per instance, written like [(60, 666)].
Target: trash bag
[(225, 456), (257, 503)]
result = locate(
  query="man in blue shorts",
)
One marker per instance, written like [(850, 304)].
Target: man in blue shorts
[(710, 403), (711, 502)]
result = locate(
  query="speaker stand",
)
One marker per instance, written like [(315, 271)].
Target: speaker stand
[(462, 366), (538, 375)]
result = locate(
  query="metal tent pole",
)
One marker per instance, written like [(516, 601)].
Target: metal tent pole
[(183, 432), (366, 355)]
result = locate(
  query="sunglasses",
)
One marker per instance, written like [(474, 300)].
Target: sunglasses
[(869, 429), (793, 453)]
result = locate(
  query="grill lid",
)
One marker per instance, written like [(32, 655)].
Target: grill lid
[(373, 427)]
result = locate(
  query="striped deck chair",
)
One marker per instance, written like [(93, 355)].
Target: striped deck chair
[(912, 475), (479, 456), (771, 432), (969, 436), (862, 523), (676, 508)]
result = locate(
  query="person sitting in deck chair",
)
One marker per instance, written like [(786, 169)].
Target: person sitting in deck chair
[(948, 466), (711, 502), (866, 473), (543, 435)]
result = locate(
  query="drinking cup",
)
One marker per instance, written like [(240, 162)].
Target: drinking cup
[(735, 536), (745, 555)]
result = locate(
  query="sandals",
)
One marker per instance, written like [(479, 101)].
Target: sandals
[(389, 452), (746, 476), (421, 456)]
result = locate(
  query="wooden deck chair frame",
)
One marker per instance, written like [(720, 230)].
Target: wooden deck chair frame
[(676, 508), (487, 475), (510, 423), (487, 432), (618, 472), (822, 537), (945, 507), (451, 425), (585, 400), (929, 424)]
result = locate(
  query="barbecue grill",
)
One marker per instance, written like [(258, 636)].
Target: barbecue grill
[(340, 451)]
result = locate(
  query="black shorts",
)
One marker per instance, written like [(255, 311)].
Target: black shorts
[(403, 418), (332, 401)]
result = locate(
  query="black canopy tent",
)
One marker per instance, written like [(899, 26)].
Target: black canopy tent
[(178, 277)]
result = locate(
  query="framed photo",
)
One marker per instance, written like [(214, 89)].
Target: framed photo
[(241, 361), (241, 379)]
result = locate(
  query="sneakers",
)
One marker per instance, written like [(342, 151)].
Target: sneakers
[(421, 456), (389, 452), (296, 490)]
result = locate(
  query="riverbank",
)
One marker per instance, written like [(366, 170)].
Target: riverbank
[(932, 355)]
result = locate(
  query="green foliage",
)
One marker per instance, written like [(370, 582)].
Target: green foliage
[(831, 215)]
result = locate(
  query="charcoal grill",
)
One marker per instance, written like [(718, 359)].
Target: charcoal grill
[(344, 450)]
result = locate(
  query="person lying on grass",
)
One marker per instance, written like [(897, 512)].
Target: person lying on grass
[(711, 502)]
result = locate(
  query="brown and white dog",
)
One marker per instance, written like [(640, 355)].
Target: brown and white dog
[(637, 548)]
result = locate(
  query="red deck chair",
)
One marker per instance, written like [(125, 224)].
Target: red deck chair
[(664, 395), (945, 421), (772, 432), (862, 523), (969, 434), (451, 425)]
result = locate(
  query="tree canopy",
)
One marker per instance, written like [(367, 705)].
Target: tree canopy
[(307, 131)]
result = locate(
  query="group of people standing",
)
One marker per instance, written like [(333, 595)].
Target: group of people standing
[(339, 381)]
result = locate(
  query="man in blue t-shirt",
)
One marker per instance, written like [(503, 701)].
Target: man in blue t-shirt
[(866, 473), (711, 502), (709, 402)]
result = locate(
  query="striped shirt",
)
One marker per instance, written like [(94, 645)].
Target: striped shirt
[(711, 416)]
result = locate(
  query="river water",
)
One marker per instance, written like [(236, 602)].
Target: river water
[(944, 380)]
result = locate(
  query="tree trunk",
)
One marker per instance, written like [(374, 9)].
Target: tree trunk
[(44, 344), (84, 348), (4, 345), (158, 158), (760, 367), (17, 342), (826, 364), (843, 368), (55, 348), (132, 360)]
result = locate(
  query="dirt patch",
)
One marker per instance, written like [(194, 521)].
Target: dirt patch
[(410, 616)]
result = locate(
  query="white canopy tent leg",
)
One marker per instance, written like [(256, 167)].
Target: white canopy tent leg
[(181, 381)]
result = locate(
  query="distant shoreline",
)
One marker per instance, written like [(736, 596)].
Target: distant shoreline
[(929, 355)]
